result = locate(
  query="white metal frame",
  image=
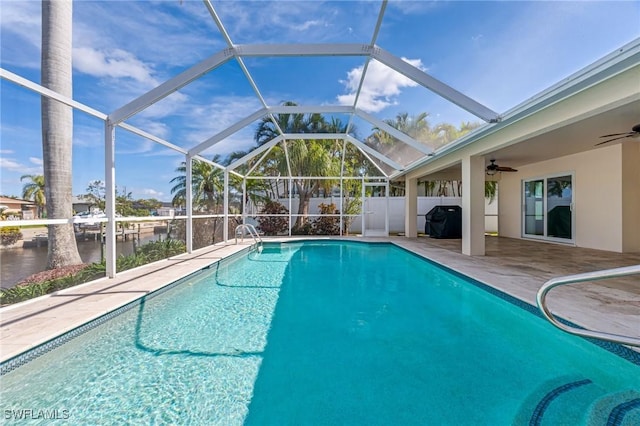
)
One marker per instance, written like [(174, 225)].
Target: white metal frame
[(238, 52)]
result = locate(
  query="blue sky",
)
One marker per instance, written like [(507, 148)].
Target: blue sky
[(499, 53)]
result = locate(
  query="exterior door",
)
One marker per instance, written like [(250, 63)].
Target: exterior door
[(375, 214), (548, 208)]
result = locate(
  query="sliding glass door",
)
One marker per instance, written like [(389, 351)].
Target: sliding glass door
[(547, 208)]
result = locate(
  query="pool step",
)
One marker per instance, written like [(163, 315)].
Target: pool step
[(573, 400), (616, 409), (563, 400)]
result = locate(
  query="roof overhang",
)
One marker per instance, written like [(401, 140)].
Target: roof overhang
[(602, 98)]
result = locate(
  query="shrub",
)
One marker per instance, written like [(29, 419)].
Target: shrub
[(273, 225), (350, 206), (305, 229), (57, 279), (10, 235), (329, 225), (206, 231)]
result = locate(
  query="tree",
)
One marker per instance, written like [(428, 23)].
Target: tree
[(305, 157), (96, 194), (207, 185), (57, 128), (35, 191)]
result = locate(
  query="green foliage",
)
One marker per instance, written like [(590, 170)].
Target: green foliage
[(10, 235), (490, 190), (35, 289), (34, 190), (351, 206), (207, 185), (125, 204), (158, 250), (203, 233), (273, 225), (305, 229), (327, 225), (147, 253), (96, 194)]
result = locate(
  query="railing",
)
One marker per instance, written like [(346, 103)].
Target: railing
[(589, 276), (251, 230)]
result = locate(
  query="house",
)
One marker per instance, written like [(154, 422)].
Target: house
[(81, 204), (18, 209), (567, 185)]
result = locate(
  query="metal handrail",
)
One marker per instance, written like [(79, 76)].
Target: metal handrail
[(588, 276), (251, 230)]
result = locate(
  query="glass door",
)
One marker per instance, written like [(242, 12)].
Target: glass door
[(534, 207), (548, 208)]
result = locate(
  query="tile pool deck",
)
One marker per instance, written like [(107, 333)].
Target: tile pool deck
[(516, 267)]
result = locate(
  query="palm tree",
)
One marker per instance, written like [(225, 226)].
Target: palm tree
[(35, 191), (417, 127), (57, 128), (207, 184), (306, 158)]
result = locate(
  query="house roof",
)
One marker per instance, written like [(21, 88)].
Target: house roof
[(9, 200)]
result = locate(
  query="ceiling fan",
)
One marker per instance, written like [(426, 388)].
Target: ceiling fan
[(634, 133), (493, 168)]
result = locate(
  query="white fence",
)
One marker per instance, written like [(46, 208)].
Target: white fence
[(396, 211)]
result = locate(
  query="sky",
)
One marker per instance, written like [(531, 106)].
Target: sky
[(498, 53)]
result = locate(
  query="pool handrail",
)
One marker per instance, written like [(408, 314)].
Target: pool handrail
[(251, 230), (578, 278)]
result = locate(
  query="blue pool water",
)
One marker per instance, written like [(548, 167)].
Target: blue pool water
[(322, 333)]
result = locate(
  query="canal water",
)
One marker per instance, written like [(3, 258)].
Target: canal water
[(17, 264)]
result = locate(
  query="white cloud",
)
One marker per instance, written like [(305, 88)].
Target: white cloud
[(11, 165), (22, 18), (135, 145), (6, 151), (20, 26), (382, 85), (170, 105), (35, 160), (113, 63), (288, 21), (151, 192), (307, 24)]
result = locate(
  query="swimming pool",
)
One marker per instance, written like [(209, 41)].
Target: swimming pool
[(326, 333)]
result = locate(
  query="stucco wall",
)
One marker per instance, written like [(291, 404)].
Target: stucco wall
[(631, 196), (597, 196)]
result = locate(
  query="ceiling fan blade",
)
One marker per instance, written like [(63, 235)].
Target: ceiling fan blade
[(614, 139), (506, 169), (615, 134)]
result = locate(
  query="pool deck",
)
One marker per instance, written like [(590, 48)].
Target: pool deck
[(516, 267)]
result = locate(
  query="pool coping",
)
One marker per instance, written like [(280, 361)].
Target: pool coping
[(62, 336), (35, 322)]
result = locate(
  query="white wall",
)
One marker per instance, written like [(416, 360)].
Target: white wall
[(597, 193), (396, 211)]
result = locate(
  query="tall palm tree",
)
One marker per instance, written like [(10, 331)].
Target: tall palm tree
[(207, 185), (35, 191), (57, 130)]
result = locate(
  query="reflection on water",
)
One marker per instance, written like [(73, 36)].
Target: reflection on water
[(19, 263)]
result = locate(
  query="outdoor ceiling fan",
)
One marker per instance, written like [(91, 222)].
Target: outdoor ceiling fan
[(634, 133), (493, 168)]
